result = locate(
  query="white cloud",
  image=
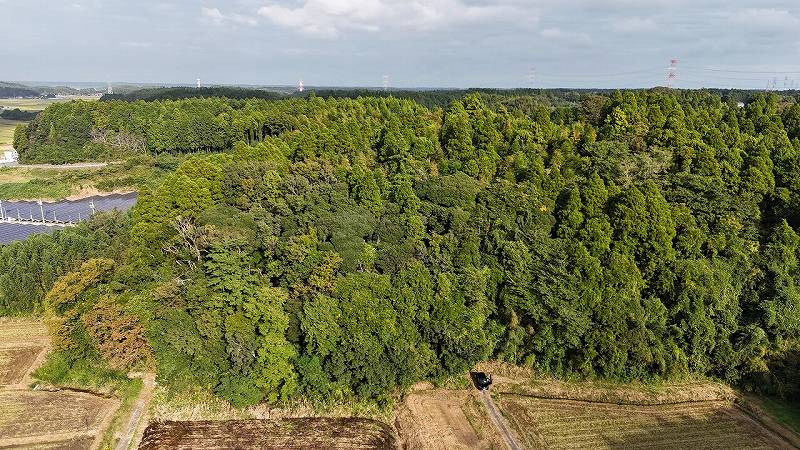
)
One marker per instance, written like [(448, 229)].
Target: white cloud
[(136, 44), (565, 37), (633, 25), (328, 18), (216, 16), (766, 18)]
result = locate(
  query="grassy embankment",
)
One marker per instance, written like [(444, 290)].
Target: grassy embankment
[(18, 183)]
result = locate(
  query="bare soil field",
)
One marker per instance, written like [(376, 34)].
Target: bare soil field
[(445, 419), (305, 433), (23, 344), (547, 423), (16, 362), (62, 419)]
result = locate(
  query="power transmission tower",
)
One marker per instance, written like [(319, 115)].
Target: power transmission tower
[(672, 72), (198, 83), (385, 83), (300, 86), (532, 77)]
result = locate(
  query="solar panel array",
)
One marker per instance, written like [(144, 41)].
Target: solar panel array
[(63, 211)]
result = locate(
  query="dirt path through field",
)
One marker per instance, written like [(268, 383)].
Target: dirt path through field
[(139, 416), (499, 422)]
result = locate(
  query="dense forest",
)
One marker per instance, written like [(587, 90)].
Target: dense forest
[(340, 248)]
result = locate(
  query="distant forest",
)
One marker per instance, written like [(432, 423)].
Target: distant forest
[(12, 90), (337, 248)]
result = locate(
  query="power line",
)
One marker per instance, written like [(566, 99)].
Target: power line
[(770, 72)]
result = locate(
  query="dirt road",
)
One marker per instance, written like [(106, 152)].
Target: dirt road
[(136, 423), (499, 421), (72, 166)]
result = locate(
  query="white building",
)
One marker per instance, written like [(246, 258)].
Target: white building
[(9, 156)]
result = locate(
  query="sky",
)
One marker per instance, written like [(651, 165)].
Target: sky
[(416, 43)]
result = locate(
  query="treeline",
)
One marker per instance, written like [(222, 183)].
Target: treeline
[(29, 268), (17, 114), (350, 247), (180, 93), (11, 90)]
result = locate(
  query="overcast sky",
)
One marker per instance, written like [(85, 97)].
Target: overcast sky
[(433, 43)]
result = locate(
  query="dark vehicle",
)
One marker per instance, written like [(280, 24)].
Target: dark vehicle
[(481, 380)]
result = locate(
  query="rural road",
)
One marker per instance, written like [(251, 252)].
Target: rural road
[(56, 166), (141, 406), (499, 421)]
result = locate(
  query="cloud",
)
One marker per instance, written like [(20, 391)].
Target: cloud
[(565, 37), (633, 25), (216, 16), (136, 44), (770, 18), (328, 18)]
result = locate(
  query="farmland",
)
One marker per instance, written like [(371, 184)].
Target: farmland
[(445, 419), (303, 433), (575, 424), (7, 128), (38, 104), (554, 414), (29, 418)]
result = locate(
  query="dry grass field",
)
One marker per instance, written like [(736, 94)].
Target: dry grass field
[(569, 424), (305, 433), (41, 419)]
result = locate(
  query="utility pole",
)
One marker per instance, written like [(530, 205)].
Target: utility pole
[(672, 72)]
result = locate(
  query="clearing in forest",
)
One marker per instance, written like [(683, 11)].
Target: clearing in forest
[(42, 419), (303, 433)]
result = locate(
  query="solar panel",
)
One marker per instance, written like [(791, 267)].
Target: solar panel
[(62, 211)]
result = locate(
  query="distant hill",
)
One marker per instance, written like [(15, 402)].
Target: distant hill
[(17, 90)]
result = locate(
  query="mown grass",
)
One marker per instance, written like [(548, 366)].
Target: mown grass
[(7, 128), (784, 412)]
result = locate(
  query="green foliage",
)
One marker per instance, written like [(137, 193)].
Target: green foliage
[(351, 247)]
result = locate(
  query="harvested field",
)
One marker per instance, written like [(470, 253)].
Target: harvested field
[(32, 413), (29, 419), (445, 419), (22, 332), (549, 423), (23, 343), (306, 433), (76, 443), (16, 362)]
